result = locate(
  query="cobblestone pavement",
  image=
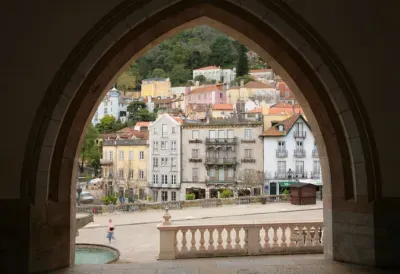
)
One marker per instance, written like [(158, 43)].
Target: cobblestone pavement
[(139, 243)]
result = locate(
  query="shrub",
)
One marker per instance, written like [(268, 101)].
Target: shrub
[(110, 199), (149, 198), (263, 200), (227, 193), (286, 192), (190, 196)]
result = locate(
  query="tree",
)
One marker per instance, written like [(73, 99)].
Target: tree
[(90, 153), (242, 65), (107, 124), (201, 78), (246, 78), (130, 79), (250, 178), (138, 112), (179, 75), (158, 73), (222, 52)]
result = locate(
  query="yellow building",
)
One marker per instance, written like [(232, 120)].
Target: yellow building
[(252, 89), (124, 165), (155, 87)]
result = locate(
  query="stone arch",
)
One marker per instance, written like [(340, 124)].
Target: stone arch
[(317, 78)]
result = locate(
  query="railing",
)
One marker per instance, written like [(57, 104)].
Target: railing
[(195, 160), (239, 239), (248, 160), (160, 185), (281, 175), (299, 153), (106, 161), (281, 153), (300, 134), (227, 180), (124, 142), (220, 161), (316, 175), (301, 175), (195, 141), (315, 153), (248, 140), (212, 141)]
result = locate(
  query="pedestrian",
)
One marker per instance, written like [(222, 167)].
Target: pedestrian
[(121, 199), (110, 231)]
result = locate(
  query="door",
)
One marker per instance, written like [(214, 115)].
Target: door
[(221, 174), (272, 189)]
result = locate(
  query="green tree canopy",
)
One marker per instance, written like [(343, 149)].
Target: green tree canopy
[(246, 78), (138, 112), (107, 124), (201, 78), (158, 73), (90, 153), (222, 52), (179, 75), (242, 65)]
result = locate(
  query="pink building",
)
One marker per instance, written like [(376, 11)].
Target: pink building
[(208, 95)]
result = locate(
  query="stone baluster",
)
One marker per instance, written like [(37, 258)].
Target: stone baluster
[(237, 239), (167, 217), (220, 246), (246, 239), (275, 238), (316, 235), (300, 242), (184, 241), (176, 242), (266, 238), (228, 238), (193, 241), (292, 236), (283, 244), (202, 241), (211, 239), (308, 236)]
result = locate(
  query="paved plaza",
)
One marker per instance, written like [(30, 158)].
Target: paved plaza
[(137, 236)]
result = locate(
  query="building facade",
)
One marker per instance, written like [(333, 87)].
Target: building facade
[(113, 104), (290, 155), (156, 87), (216, 73), (221, 155), (199, 99), (164, 172), (263, 75)]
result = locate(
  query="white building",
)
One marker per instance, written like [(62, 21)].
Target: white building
[(164, 172), (290, 155), (216, 73), (263, 75), (113, 104)]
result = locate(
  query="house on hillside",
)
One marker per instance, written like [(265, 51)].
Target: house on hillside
[(262, 75), (201, 98), (155, 87), (221, 110), (216, 73)]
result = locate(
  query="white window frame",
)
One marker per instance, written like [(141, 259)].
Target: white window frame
[(141, 174), (173, 195), (155, 178), (248, 133), (141, 155), (164, 130), (130, 155), (173, 179), (195, 134), (248, 153), (195, 153), (155, 146), (173, 145)]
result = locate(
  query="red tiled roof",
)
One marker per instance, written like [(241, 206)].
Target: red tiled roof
[(162, 101), (255, 84), (259, 70), (287, 125), (222, 107), (206, 89), (129, 133), (178, 119), (142, 124), (208, 68), (198, 107)]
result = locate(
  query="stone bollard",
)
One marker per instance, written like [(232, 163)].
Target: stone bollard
[(166, 217)]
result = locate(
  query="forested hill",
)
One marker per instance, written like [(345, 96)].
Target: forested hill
[(177, 56)]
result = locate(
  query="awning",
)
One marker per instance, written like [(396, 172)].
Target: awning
[(286, 184), (311, 181)]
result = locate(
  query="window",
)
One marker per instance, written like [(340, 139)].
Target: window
[(173, 145), (121, 155), (195, 134), (300, 127), (247, 153), (247, 133), (281, 167), (212, 134), (281, 145), (155, 196), (155, 162), (155, 179), (299, 145), (230, 133), (164, 179), (164, 130), (230, 172), (173, 130), (141, 155), (173, 179), (299, 167), (195, 153), (164, 196), (121, 173), (141, 174), (220, 95), (173, 162), (221, 134), (164, 161), (130, 156), (195, 174), (155, 130), (173, 196), (105, 111), (130, 173), (211, 172), (111, 155), (155, 146), (316, 167), (164, 145)]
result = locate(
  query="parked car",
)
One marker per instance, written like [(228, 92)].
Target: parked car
[(86, 197)]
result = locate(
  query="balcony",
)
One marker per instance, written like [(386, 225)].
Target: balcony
[(221, 161), (195, 141), (156, 168), (248, 141), (315, 153), (195, 160), (300, 175), (160, 185), (281, 153), (315, 175), (106, 162), (300, 134), (299, 153), (221, 141), (125, 142), (217, 181), (248, 160)]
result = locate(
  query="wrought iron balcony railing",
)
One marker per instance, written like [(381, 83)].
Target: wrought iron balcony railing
[(316, 175), (227, 141), (315, 153), (300, 134), (248, 160), (299, 153), (106, 162), (195, 141), (195, 160), (220, 161), (281, 153), (248, 140)]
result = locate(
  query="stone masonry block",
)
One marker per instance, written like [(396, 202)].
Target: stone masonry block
[(61, 108), (349, 124), (311, 55)]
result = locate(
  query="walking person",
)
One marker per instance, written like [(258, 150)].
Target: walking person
[(110, 231)]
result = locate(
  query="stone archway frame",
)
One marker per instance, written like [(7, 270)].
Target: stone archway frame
[(272, 29)]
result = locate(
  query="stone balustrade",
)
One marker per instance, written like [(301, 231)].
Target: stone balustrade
[(239, 239)]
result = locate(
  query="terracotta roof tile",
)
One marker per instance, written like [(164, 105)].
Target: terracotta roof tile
[(208, 68), (287, 125), (259, 70), (256, 110), (142, 124), (255, 84), (222, 107), (206, 89)]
